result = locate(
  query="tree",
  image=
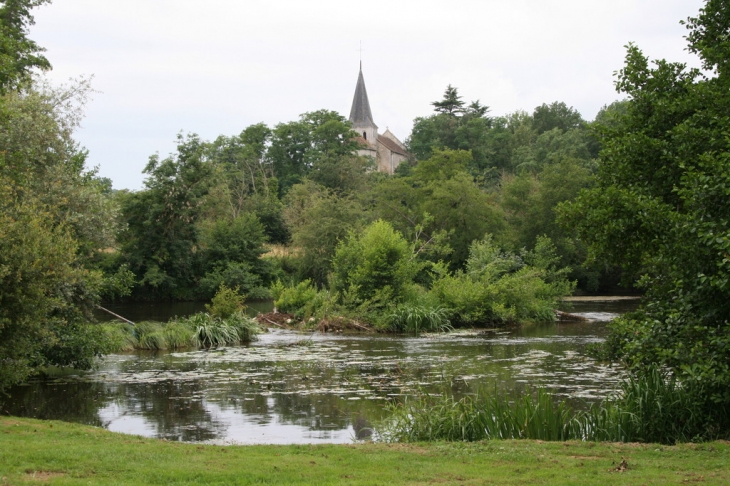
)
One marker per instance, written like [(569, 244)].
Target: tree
[(55, 218), (451, 103), (439, 201), (457, 128), (18, 54), (318, 219), (297, 147), (662, 208), (375, 266), (163, 237), (556, 115)]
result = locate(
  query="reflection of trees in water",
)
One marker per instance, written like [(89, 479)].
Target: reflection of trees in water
[(176, 410), (72, 402)]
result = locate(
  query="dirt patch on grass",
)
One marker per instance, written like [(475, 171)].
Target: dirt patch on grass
[(42, 476)]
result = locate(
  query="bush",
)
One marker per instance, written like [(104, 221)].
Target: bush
[(303, 299), (502, 287), (225, 302), (377, 266)]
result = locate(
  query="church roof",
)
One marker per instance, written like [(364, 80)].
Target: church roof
[(360, 113), (391, 145)]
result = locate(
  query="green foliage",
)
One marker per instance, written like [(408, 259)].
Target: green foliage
[(163, 237), (479, 418), (303, 299), (318, 219), (18, 54), (500, 287), (649, 407), (225, 302), (298, 148), (120, 336), (53, 218), (246, 327), (439, 204), (376, 266), (212, 332), (661, 208), (413, 319)]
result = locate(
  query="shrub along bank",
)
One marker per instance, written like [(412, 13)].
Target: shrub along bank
[(379, 278)]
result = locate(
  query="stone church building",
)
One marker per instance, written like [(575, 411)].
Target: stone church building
[(385, 149)]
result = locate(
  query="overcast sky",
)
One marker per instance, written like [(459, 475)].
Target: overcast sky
[(214, 67)]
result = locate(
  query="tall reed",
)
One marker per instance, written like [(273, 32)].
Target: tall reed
[(413, 319), (649, 407)]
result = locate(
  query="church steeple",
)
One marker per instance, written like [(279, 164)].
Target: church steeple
[(360, 115)]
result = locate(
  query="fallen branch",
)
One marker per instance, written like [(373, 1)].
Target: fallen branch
[(115, 315), (273, 323)]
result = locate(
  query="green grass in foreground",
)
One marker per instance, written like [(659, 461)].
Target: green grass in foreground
[(35, 451)]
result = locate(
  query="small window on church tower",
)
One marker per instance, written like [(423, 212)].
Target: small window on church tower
[(365, 135)]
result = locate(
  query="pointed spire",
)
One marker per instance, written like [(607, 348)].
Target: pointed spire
[(360, 114)]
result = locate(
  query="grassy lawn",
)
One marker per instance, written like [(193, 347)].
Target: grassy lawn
[(34, 451)]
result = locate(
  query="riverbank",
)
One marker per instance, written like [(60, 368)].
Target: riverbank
[(52, 452)]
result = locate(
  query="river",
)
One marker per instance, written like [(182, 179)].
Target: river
[(290, 387)]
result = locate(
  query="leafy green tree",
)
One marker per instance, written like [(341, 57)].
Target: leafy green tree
[(55, 218), (556, 115), (232, 251), (374, 267), (162, 240), (440, 201), (318, 219), (451, 103), (297, 147), (245, 182), (501, 287), (457, 128), (19, 55), (661, 208)]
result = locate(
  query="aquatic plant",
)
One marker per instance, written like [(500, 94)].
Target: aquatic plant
[(246, 327), (649, 407), (412, 318), (177, 335), (149, 335), (479, 418), (119, 336), (209, 331)]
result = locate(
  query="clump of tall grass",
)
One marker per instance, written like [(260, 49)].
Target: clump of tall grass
[(246, 327), (650, 407), (150, 335), (119, 336), (411, 318), (211, 332), (479, 418)]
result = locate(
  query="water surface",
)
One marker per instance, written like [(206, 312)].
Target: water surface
[(289, 387)]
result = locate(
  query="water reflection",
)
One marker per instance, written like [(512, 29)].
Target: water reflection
[(293, 388)]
